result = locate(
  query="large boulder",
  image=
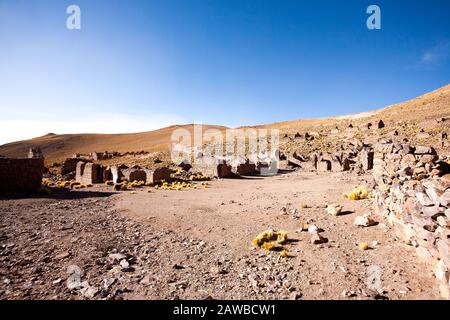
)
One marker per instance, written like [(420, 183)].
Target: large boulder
[(420, 150)]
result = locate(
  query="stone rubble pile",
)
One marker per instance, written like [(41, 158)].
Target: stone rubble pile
[(413, 194), (351, 156)]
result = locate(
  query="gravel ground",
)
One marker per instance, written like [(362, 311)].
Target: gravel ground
[(101, 245)]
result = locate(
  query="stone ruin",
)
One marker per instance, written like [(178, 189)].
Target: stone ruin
[(231, 166), (35, 153), (70, 165), (104, 155), (91, 173), (213, 168), (22, 174), (412, 194), (351, 157)]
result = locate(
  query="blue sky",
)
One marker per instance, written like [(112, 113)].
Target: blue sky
[(140, 65)]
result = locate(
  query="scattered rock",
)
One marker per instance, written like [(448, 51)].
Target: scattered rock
[(316, 238), (116, 257), (313, 229), (108, 282), (364, 221), (87, 291), (125, 266), (62, 256), (334, 209)]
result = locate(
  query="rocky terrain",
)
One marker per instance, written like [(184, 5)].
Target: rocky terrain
[(359, 210), (197, 244)]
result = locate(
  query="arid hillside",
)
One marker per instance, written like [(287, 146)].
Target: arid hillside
[(56, 147), (419, 110), (416, 119)]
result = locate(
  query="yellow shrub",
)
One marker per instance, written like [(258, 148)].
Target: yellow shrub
[(265, 236), (270, 240), (281, 237), (363, 246), (109, 182), (268, 246), (73, 184), (358, 193), (284, 254)]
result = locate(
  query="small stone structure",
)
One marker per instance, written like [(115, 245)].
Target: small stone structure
[(214, 168), (89, 173), (24, 174), (117, 173), (35, 153), (70, 165), (158, 174), (135, 174)]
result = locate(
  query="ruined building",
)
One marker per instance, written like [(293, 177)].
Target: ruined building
[(22, 174)]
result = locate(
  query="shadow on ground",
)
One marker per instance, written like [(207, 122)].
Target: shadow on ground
[(57, 194)]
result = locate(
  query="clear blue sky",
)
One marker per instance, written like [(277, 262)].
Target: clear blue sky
[(139, 65)]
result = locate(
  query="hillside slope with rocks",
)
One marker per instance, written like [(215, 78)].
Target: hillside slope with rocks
[(420, 120)]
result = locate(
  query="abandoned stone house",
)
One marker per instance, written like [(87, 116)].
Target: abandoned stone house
[(70, 165), (89, 173), (22, 174), (92, 173)]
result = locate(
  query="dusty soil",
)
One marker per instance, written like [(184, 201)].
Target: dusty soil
[(196, 244)]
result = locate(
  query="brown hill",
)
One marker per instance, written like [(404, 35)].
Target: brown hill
[(57, 147), (420, 111), (407, 117)]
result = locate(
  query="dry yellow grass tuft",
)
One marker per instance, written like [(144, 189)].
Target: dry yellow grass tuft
[(359, 193), (271, 240), (363, 246), (284, 254)]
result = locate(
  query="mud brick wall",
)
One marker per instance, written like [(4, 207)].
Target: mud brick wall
[(413, 196), (20, 174)]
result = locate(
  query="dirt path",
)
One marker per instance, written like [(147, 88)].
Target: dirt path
[(230, 213)]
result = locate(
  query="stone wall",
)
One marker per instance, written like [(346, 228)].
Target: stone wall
[(89, 173), (20, 174), (70, 165), (412, 194)]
